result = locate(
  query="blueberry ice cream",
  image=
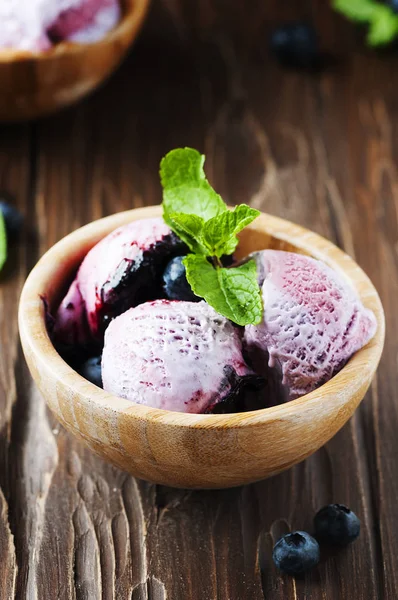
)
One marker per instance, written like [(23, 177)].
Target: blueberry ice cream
[(163, 347), (178, 356), (122, 270), (37, 25), (313, 320), (160, 312)]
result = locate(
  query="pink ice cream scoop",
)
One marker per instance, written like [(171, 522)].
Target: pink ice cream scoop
[(179, 356), (35, 24), (21, 25), (313, 320), (85, 21), (121, 271)]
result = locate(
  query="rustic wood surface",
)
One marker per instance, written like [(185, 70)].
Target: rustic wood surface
[(318, 149)]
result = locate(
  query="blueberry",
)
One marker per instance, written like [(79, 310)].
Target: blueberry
[(336, 524), (296, 552), (91, 370), (12, 217), (227, 260), (295, 45), (175, 284)]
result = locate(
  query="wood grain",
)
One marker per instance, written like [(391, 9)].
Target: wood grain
[(318, 149)]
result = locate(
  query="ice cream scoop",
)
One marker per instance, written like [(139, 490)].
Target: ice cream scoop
[(85, 21), (179, 356), (22, 25), (121, 271), (313, 320), (36, 24)]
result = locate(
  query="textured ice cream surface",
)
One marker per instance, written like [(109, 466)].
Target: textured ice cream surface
[(121, 271), (86, 21), (178, 356), (21, 25), (34, 24), (313, 320)]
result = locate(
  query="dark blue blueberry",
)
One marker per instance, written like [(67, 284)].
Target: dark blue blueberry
[(12, 217), (91, 370), (296, 45), (296, 553), (227, 260), (336, 524), (175, 284)]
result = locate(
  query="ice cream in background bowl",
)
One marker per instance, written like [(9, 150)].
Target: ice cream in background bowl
[(39, 25), (184, 449), (54, 52)]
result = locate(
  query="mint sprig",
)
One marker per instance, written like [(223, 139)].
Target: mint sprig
[(233, 292), (185, 186), (382, 20), (219, 233), (3, 241), (190, 229), (198, 215)]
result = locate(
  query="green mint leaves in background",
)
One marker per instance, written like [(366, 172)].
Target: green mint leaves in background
[(3, 241), (382, 20), (198, 215)]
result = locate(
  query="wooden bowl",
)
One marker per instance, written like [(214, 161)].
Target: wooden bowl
[(185, 450), (33, 84)]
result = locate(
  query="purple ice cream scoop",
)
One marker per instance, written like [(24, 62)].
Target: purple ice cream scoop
[(85, 21), (34, 25), (121, 271), (179, 356), (313, 321)]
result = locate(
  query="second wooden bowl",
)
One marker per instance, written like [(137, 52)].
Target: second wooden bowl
[(184, 450), (33, 84)]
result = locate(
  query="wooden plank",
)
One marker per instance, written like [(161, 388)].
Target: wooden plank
[(15, 177)]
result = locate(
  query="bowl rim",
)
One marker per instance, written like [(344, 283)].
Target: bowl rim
[(131, 18), (33, 330)]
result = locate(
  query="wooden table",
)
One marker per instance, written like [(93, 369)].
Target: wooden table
[(319, 149)]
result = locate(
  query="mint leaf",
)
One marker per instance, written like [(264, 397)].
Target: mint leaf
[(357, 10), (234, 292), (383, 27), (185, 187), (3, 241), (383, 22), (219, 233), (189, 228), (197, 214)]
